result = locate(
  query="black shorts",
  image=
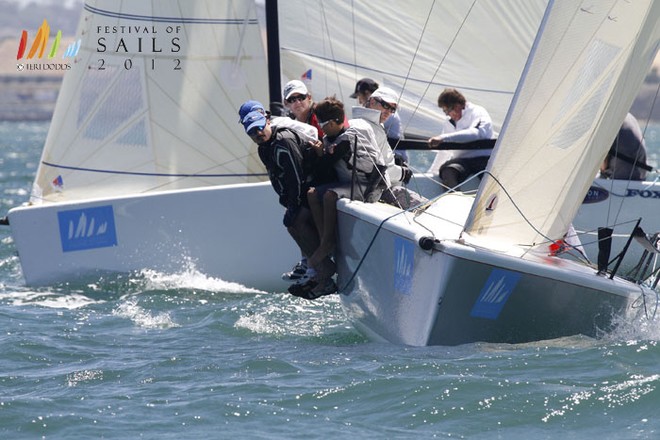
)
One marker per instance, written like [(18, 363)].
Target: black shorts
[(343, 190), (466, 167)]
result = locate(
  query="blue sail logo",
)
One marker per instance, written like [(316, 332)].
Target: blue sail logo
[(404, 256), (88, 228), (494, 294)]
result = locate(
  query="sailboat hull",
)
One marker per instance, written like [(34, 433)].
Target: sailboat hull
[(455, 294), (232, 232)]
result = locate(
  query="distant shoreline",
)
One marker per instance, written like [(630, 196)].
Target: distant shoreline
[(32, 97)]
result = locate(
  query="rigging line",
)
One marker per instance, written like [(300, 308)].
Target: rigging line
[(139, 173), (419, 44), (442, 60), (524, 217), (204, 98), (319, 58), (332, 52), (366, 252), (354, 40)]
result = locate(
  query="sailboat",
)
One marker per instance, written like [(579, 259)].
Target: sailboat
[(145, 165), (477, 268)]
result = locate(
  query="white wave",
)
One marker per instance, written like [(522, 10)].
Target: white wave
[(51, 300), (130, 309), (642, 324), (288, 315), (191, 278)]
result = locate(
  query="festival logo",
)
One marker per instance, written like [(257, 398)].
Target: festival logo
[(156, 46), (38, 49)]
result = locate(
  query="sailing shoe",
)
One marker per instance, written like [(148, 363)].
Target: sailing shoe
[(302, 290), (297, 272), (310, 274), (313, 289)]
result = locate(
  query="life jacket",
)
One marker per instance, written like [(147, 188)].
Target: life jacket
[(365, 152)]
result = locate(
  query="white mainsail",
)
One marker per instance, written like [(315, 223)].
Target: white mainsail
[(418, 48), (151, 101), (572, 99)]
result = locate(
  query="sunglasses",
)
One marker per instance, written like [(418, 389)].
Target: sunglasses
[(296, 98), (386, 105), (448, 110), (324, 123), (254, 131)]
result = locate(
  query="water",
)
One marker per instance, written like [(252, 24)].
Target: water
[(186, 356)]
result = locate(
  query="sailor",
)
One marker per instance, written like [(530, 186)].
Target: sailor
[(299, 102), (283, 151), (467, 122), (378, 108), (364, 88), (627, 156), (352, 150)]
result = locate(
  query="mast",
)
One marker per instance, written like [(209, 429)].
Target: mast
[(273, 39)]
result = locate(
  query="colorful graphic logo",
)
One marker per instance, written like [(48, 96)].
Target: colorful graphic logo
[(306, 76), (57, 184), (88, 228), (40, 43)]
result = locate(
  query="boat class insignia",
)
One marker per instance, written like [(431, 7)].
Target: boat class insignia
[(494, 294), (87, 228), (404, 257), (491, 204)]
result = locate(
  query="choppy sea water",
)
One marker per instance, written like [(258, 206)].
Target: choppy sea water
[(182, 355)]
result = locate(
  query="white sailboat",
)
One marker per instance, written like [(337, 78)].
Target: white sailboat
[(466, 269), (145, 165)]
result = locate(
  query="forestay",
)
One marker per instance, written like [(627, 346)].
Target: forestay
[(588, 62), (150, 102)]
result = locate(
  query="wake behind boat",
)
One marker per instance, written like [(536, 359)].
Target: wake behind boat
[(477, 269)]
